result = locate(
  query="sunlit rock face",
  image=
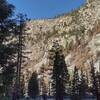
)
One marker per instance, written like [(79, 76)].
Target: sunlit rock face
[(95, 44), (78, 32), (95, 47)]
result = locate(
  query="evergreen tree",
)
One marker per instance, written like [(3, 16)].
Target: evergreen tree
[(33, 89), (94, 81), (7, 48), (44, 88), (22, 86), (20, 33), (6, 10), (60, 75), (98, 81), (75, 85), (83, 85), (11, 45)]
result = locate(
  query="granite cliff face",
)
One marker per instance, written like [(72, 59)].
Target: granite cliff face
[(78, 32)]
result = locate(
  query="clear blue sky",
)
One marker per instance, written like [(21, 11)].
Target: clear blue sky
[(45, 8)]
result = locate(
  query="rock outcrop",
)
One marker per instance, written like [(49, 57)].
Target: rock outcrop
[(78, 32)]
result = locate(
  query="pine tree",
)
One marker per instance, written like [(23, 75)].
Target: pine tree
[(20, 47), (75, 85), (83, 85), (33, 89), (9, 45), (6, 10), (7, 48), (44, 88), (22, 83), (98, 81), (60, 75), (94, 81)]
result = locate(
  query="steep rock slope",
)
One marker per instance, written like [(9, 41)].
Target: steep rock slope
[(78, 32)]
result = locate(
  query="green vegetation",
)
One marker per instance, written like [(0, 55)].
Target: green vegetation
[(60, 75), (33, 88), (7, 51)]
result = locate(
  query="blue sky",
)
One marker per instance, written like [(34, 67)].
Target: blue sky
[(38, 9)]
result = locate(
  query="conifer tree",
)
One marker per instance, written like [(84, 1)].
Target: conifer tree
[(83, 85), (98, 81), (6, 10), (9, 45), (44, 88), (75, 85), (33, 89), (20, 33), (94, 81), (22, 90), (60, 75), (7, 48)]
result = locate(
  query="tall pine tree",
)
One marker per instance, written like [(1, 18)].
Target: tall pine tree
[(83, 86), (94, 81), (33, 88), (7, 48), (75, 85), (60, 75)]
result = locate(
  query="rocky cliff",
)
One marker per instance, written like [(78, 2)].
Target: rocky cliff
[(78, 32)]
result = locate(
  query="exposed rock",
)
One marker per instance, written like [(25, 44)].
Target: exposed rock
[(78, 32)]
